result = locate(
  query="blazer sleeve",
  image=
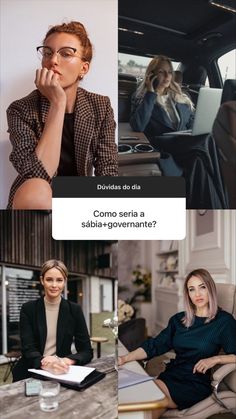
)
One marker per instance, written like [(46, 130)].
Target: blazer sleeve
[(24, 142), (162, 343), (83, 346), (29, 345), (141, 110), (106, 158)]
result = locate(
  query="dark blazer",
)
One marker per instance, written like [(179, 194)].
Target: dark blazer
[(94, 136), (71, 327), (195, 158), (148, 116)]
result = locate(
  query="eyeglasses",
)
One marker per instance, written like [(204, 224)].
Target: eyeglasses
[(64, 53)]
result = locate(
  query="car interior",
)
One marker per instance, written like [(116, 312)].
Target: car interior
[(194, 34)]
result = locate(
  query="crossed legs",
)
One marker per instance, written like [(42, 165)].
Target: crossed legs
[(35, 193), (171, 404)]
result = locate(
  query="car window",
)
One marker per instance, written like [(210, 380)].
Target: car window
[(207, 84), (227, 66), (136, 65)]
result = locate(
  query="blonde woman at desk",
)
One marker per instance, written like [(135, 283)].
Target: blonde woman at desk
[(48, 327), (197, 336)]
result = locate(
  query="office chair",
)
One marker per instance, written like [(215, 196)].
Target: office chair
[(223, 398), (132, 333)]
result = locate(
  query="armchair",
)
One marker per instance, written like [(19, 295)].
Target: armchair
[(223, 398), (132, 333)]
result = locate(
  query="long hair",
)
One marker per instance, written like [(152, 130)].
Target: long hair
[(174, 88), (54, 263), (205, 276)]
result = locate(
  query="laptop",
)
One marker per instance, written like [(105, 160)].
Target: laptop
[(208, 103)]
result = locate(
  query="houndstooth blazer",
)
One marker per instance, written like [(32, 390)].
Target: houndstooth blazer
[(94, 136)]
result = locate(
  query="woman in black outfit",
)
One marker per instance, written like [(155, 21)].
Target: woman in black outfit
[(159, 106), (48, 327), (197, 336)]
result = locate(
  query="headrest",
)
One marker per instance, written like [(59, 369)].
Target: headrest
[(195, 75), (226, 297), (229, 91), (127, 77), (224, 131), (178, 76)]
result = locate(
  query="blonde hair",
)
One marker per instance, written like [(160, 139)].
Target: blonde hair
[(205, 276), (53, 263), (174, 88)]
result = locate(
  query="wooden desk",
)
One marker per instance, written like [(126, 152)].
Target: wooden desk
[(136, 164), (139, 164), (139, 400), (130, 137), (97, 401)]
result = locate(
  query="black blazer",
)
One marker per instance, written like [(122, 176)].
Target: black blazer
[(71, 327)]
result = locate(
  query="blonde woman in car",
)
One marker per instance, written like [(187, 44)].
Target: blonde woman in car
[(159, 106), (197, 335)]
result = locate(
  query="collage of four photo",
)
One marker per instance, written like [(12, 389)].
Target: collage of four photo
[(118, 209)]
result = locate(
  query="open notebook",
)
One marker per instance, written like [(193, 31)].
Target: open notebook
[(207, 107), (78, 378), (76, 374)]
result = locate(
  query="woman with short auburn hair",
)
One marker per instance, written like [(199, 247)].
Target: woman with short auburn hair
[(49, 326), (60, 129), (197, 336)]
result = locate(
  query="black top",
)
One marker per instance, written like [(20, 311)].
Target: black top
[(71, 327), (67, 164), (201, 340)]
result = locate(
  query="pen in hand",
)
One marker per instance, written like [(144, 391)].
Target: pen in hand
[(54, 364)]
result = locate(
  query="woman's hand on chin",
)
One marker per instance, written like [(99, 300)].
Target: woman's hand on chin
[(48, 83)]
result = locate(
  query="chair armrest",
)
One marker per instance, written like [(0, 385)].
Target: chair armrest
[(218, 376), (221, 372)]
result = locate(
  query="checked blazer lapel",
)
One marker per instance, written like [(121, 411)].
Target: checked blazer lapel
[(41, 323), (162, 116), (84, 125)]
